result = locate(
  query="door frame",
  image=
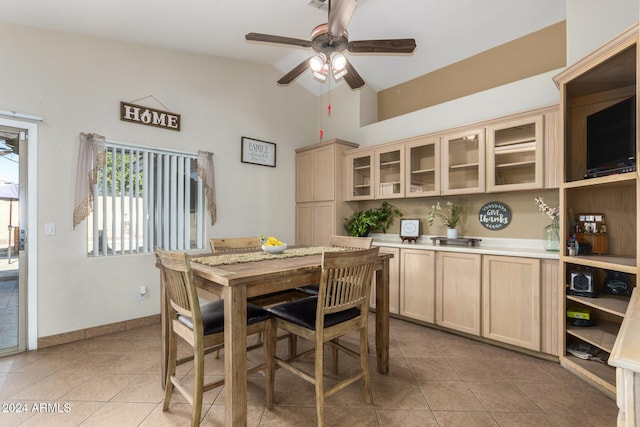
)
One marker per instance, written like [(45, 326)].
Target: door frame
[(32, 224)]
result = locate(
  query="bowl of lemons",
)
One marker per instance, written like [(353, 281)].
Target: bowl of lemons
[(273, 245)]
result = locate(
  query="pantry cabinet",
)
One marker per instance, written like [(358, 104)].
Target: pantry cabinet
[(320, 204)]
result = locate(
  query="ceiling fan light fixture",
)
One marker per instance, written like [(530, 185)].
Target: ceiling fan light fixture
[(317, 62), (322, 73), (338, 62)]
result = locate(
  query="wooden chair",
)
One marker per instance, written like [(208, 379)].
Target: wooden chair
[(341, 307), (348, 242), (235, 244), (202, 327)]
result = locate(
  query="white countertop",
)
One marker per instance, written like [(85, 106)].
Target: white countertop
[(528, 248)]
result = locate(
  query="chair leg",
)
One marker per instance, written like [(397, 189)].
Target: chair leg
[(335, 356), (364, 364), (171, 370), (198, 383), (293, 346), (319, 383), (270, 341)]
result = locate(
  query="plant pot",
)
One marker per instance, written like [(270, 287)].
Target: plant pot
[(452, 233)]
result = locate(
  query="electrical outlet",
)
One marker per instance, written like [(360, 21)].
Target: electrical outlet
[(142, 292)]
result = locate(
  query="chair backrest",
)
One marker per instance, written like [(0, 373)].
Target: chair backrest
[(350, 242), (235, 243), (346, 281), (180, 289)]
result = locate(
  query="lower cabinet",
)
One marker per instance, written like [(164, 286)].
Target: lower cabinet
[(315, 222), (458, 281), (417, 269), (511, 301), (394, 281)]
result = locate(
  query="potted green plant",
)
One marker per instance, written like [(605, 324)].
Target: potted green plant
[(451, 218), (363, 222)]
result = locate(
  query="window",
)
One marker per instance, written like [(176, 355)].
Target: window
[(146, 199)]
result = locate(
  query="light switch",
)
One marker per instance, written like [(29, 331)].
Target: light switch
[(49, 229)]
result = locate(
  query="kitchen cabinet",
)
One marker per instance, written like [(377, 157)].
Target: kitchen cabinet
[(463, 162), (422, 177), (320, 202), (389, 172), (511, 296), (394, 281), (601, 79), (458, 298), (417, 294), (359, 173), (515, 158)]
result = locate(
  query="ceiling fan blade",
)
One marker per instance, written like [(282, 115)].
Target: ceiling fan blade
[(382, 46), (291, 75), (277, 39), (340, 13), (352, 77)]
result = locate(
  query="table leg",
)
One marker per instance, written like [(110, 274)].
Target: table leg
[(235, 358), (165, 335), (382, 317)]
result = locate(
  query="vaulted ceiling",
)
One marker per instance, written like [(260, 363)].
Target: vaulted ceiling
[(446, 31)]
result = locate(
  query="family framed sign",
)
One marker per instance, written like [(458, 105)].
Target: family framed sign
[(258, 152)]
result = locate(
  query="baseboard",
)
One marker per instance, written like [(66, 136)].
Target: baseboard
[(97, 331)]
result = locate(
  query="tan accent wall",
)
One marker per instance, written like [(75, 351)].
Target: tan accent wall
[(527, 56), (527, 222)]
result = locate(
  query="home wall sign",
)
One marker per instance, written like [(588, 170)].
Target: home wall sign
[(494, 215), (258, 152), (149, 116)]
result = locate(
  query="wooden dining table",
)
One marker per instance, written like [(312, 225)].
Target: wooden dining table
[(236, 282)]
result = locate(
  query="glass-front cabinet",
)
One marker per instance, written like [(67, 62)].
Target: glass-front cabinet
[(515, 155), (463, 162), (389, 172), (360, 175), (422, 176)]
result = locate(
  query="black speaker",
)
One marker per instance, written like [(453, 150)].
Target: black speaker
[(582, 283)]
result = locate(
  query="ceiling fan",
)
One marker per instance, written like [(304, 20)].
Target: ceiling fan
[(329, 41)]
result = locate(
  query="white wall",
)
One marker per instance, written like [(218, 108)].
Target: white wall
[(76, 84), (592, 23)]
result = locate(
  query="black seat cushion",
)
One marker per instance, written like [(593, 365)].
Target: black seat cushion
[(303, 312), (213, 316)]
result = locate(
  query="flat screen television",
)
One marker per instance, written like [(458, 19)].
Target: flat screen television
[(611, 137)]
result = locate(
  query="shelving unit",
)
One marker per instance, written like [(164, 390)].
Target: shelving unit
[(592, 84)]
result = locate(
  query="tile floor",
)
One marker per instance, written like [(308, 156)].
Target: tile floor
[(436, 379)]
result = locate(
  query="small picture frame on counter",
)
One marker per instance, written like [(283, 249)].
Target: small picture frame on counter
[(409, 230)]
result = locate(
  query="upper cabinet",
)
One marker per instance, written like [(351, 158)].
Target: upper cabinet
[(512, 153), (463, 162), (389, 178), (515, 155), (422, 177), (359, 175)]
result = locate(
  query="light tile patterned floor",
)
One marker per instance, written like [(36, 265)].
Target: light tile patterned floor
[(436, 379)]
